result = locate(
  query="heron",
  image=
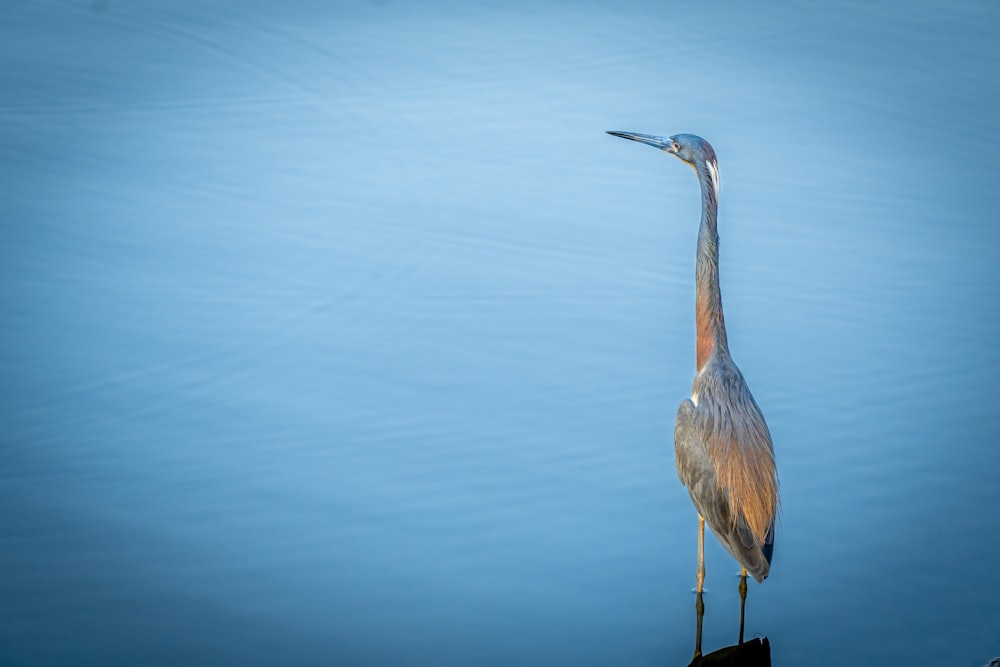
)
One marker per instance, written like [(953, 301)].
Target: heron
[(722, 446)]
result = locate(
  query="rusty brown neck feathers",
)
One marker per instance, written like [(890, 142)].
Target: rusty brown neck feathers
[(711, 324)]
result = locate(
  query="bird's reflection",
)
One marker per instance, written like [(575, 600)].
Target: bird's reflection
[(754, 653)]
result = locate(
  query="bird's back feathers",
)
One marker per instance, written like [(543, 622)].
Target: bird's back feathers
[(725, 458)]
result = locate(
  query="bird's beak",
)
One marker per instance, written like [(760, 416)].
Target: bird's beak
[(656, 142)]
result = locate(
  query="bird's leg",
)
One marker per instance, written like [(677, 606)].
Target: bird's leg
[(701, 554), (743, 598), (699, 606)]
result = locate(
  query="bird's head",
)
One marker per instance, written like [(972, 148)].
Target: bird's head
[(689, 148)]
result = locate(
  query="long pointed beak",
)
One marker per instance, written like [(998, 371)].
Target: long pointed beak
[(656, 142)]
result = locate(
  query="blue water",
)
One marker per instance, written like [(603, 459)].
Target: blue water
[(340, 333)]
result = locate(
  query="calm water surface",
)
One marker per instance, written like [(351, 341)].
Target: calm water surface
[(340, 333)]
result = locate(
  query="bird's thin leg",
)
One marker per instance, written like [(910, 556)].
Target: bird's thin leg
[(701, 554), (743, 598), (699, 606)]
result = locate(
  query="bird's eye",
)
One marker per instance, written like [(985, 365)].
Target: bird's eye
[(675, 147)]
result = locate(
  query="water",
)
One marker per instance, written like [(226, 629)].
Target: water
[(342, 334)]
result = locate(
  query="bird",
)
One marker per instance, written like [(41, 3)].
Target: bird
[(722, 446)]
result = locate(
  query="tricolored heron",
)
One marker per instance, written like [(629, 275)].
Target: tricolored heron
[(722, 446)]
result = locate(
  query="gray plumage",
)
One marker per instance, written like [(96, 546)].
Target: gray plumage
[(722, 445), (726, 426)]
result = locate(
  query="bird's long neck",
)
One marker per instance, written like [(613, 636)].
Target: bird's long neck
[(710, 323)]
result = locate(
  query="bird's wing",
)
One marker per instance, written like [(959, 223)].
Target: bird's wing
[(697, 473), (695, 468), (729, 423)]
